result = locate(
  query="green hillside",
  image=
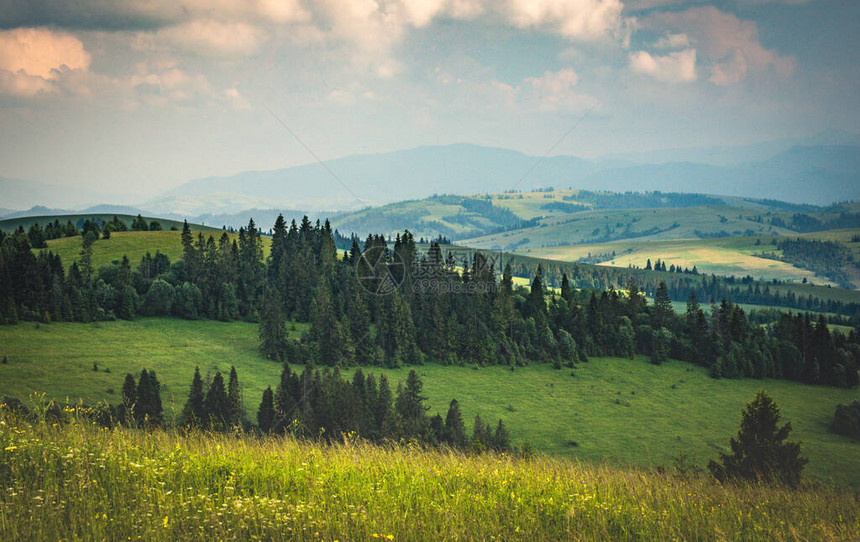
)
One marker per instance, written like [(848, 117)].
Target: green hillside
[(620, 410), (134, 244), (604, 225), (738, 256), (12, 224)]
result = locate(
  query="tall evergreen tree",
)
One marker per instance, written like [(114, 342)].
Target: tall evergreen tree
[(273, 332), (149, 410), (455, 429), (129, 399), (194, 412), (266, 413), (217, 404), (234, 397)]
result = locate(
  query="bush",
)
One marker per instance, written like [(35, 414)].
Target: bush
[(847, 420), (158, 300), (758, 452)]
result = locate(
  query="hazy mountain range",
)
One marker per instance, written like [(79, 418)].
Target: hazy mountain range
[(821, 170)]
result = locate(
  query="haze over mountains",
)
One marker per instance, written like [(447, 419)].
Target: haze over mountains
[(821, 169)]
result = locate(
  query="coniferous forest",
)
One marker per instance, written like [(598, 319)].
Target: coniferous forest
[(431, 307)]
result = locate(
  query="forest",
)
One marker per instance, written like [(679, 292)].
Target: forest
[(444, 309)]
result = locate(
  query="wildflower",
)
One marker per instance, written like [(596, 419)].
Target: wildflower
[(10, 448), (166, 521)]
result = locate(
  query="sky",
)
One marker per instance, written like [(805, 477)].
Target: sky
[(134, 97)]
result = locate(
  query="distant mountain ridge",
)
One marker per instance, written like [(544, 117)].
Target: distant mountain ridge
[(822, 169), (821, 175)]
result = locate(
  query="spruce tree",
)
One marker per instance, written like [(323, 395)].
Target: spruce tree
[(217, 404), (148, 410), (266, 413), (501, 438), (194, 412), (663, 313), (566, 293), (759, 452), (284, 400), (536, 301), (129, 399), (383, 409), (273, 332), (234, 396), (455, 429), (410, 408)]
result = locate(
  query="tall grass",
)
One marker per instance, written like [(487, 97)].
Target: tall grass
[(79, 481)]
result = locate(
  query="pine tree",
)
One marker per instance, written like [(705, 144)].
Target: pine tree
[(148, 410), (501, 439), (536, 301), (759, 451), (285, 400), (663, 313), (273, 332), (382, 410), (410, 408), (129, 399), (194, 412), (266, 413), (234, 396), (217, 404), (566, 293), (455, 430)]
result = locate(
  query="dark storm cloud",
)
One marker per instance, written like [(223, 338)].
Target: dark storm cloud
[(91, 14)]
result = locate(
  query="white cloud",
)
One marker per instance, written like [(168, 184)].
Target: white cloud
[(673, 41), (578, 19), (41, 52), (676, 67), (235, 99), (32, 60), (730, 44), (208, 37)]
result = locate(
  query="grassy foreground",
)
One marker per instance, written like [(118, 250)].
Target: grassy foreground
[(81, 482), (626, 412)]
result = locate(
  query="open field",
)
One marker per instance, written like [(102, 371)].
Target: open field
[(604, 225), (134, 244), (619, 410), (727, 256), (82, 482), (738, 256)]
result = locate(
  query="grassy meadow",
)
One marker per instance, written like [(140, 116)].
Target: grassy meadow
[(134, 244), (625, 412), (81, 482), (726, 256), (595, 226)]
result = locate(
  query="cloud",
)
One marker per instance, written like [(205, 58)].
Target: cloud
[(676, 67), (730, 44), (673, 41), (32, 60), (115, 15), (235, 99), (578, 19), (41, 52), (207, 37), (555, 90)]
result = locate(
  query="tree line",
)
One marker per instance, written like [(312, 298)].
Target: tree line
[(315, 403), (444, 310)]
